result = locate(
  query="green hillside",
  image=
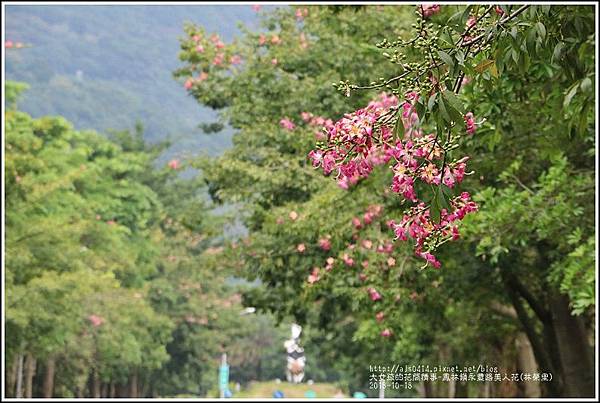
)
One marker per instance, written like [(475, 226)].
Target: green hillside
[(107, 67)]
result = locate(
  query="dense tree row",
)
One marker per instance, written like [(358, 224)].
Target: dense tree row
[(113, 281)]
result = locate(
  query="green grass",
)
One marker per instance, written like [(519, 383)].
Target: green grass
[(266, 389)]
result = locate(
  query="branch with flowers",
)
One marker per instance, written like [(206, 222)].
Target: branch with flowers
[(418, 127)]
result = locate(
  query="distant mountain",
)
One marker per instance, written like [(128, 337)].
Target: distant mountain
[(109, 66)]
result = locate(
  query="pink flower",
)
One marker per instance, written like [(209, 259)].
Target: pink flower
[(188, 83), (256, 7), (293, 215), (98, 217), (200, 49), (391, 261), (330, 261), (365, 264), (96, 320), (8, 44), (174, 164), (262, 39), (203, 76), (430, 259), (301, 248), (471, 21), (499, 11), (275, 39), (380, 316), (287, 124), (274, 62), (367, 244), (470, 123), (362, 277), (306, 116), (429, 9), (235, 59), (325, 244), (111, 222), (356, 222), (316, 157), (348, 260), (219, 45), (386, 333), (314, 276), (196, 38), (218, 60), (373, 294), (448, 179)]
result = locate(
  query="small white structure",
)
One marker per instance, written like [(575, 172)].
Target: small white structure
[(296, 360)]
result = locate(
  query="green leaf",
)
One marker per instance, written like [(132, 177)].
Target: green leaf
[(570, 96), (515, 55), (446, 58), (443, 110), (460, 57), (453, 101), (541, 30), (431, 101), (557, 52)]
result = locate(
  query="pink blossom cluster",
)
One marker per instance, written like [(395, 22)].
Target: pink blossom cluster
[(429, 9), (313, 276), (470, 123), (355, 143), (287, 124), (386, 333), (325, 244), (374, 295), (364, 139), (322, 124), (10, 44), (301, 13), (189, 83), (204, 45), (174, 164), (418, 225), (96, 320)]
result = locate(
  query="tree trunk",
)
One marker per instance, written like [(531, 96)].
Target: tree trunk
[(112, 390), (104, 390), (427, 389), (526, 363), (133, 381), (461, 389), (542, 347), (19, 386), (122, 390), (48, 388), (95, 383), (574, 351), (11, 377), (29, 374)]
